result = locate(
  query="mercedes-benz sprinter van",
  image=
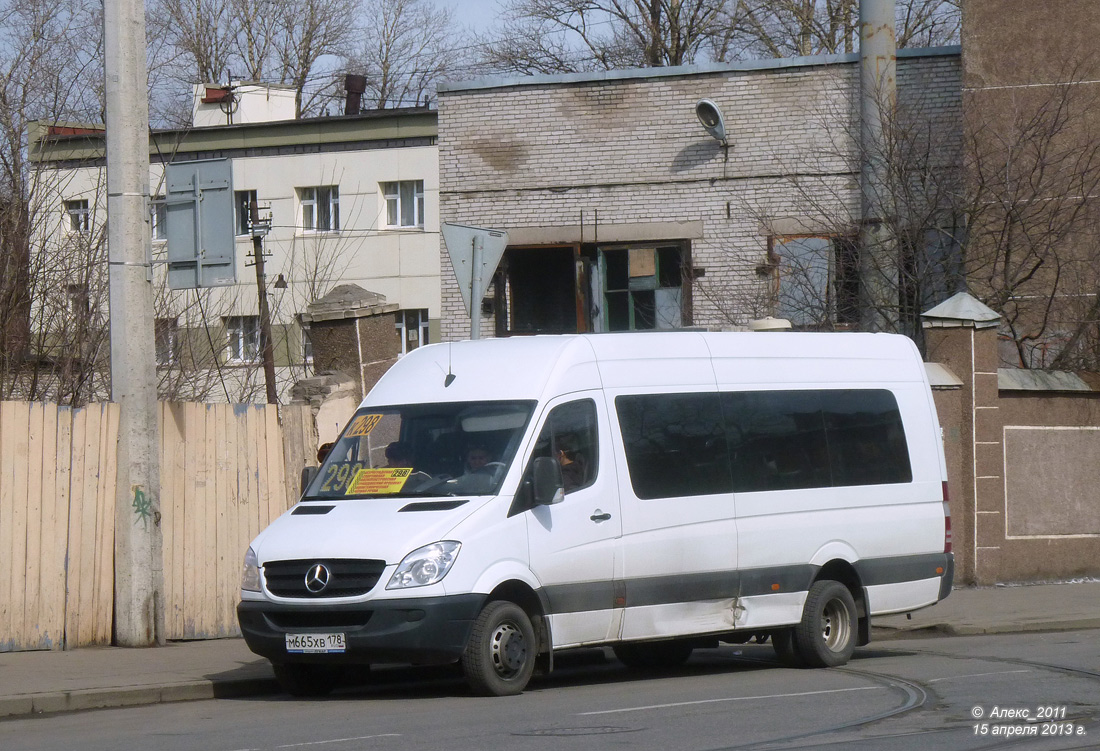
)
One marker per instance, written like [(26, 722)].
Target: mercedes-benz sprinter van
[(494, 502)]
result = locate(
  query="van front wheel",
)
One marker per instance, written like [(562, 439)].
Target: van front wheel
[(500, 655), (826, 636)]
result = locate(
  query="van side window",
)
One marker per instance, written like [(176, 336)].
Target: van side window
[(675, 444), (570, 435), (777, 440), (866, 438), (788, 440)]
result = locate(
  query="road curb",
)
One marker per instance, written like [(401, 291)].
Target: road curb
[(133, 696), (886, 633)]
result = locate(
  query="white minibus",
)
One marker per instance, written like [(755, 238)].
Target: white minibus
[(494, 502)]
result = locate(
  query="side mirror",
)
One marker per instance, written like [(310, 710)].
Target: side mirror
[(308, 473), (549, 488)]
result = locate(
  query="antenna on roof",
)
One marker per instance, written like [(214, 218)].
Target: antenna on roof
[(450, 376)]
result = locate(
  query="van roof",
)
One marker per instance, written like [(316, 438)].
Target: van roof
[(531, 366)]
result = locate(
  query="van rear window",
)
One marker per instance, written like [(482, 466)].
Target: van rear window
[(704, 443)]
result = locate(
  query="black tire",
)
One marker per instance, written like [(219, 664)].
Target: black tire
[(500, 655), (826, 637), (306, 680), (785, 649), (658, 655)]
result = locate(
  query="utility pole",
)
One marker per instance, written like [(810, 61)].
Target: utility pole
[(265, 313), (139, 568), (878, 252)]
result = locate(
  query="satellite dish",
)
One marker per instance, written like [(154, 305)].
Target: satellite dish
[(711, 118)]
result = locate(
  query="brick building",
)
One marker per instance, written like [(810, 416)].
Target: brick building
[(623, 213)]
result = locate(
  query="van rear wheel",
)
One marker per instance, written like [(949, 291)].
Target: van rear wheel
[(826, 636), (659, 655), (500, 656)]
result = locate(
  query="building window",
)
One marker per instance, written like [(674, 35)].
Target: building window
[(244, 338), (166, 332), (643, 288), (80, 305), (320, 208), (307, 347), (404, 203), (158, 214), (818, 281), (242, 201), (412, 329), (78, 217)]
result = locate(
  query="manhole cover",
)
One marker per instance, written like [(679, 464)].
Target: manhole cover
[(579, 731)]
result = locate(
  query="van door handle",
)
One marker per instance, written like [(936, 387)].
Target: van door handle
[(600, 516)]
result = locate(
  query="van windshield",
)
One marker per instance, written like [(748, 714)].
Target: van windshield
[(419, 450)]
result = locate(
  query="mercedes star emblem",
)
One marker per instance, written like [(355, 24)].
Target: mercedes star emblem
[(317, 578)]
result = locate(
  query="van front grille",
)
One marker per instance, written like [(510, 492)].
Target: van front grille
[(346, 577)]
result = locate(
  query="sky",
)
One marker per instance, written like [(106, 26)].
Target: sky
[(479, 15)]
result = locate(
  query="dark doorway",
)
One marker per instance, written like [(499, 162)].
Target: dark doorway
[(540, 295)]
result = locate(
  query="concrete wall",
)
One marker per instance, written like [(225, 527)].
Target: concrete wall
[(626, 158)]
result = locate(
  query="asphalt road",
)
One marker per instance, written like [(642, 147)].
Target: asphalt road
[(914, 694)]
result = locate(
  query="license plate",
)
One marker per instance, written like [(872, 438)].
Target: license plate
[(315, 643)]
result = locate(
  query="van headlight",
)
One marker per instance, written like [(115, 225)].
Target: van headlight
[(250, 575), (426, 565)]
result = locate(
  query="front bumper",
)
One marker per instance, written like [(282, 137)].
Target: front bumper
[(421, 631)]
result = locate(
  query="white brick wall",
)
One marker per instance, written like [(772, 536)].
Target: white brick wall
[(632, 151)]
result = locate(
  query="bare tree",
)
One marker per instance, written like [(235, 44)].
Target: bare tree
[(1033, 162), (550, 36), (205, 31), (810, 268), (553, 36), (47, 69), (280, 41), (407, 47)]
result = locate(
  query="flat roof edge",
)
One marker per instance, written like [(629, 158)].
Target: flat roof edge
[(498, 82)]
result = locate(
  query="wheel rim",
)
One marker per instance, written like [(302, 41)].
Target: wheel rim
[(836, 625), (508, 650)]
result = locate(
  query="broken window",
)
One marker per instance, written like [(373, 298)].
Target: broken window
[(570, 289), (642, 288), (818, 281)]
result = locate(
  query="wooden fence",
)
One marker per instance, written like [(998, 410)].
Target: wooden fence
[(226, 471), (57, 500)]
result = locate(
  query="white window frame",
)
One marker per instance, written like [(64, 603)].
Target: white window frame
[(307, 347), (167, 341), (158, 219), (396, 196), (78, 216), (309, 199), (241, 202), (421, 328), (243, 338)]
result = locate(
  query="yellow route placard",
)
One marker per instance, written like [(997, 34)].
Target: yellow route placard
[(378, 481)]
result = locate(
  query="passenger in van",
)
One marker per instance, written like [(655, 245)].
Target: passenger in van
[(573, 464), (399, 454)]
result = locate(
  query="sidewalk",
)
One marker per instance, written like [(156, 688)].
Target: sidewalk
[(40, 682)]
